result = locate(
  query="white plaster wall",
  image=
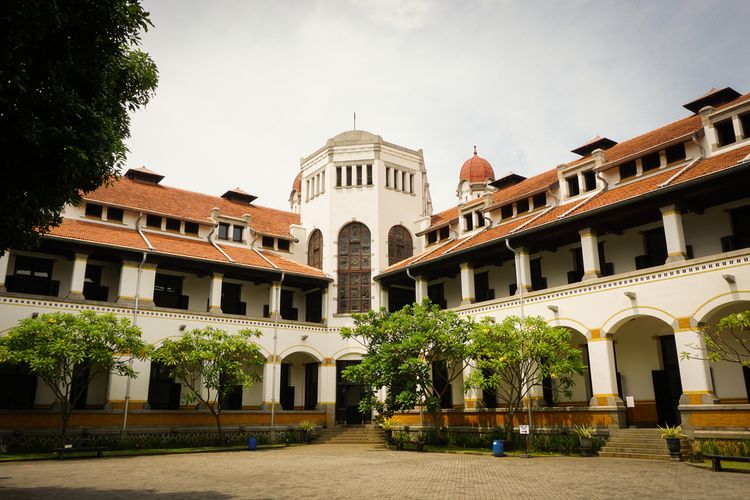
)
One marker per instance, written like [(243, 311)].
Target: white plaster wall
[(255, 296), (452, 289), (638, 352), (555, 265)]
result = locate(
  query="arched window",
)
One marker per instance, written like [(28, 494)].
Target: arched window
[(354, 268), (315, 250), (399, 244)]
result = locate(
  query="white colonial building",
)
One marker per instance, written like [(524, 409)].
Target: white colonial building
[(633, 247)]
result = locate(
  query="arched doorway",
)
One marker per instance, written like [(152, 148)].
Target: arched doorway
[(298, 382)]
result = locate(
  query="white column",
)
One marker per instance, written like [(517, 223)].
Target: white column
[(420, 289), (603, 374), (590, 252), (472, 397), (77, 276), (695, 373), (523, 270), (118, 388), (327, 389), (126, 288), (273, 306), (674, 234), (467, 284), (4, 262), (383, 295), (215, 293), (324, 306), (271, 383), (737, 127)]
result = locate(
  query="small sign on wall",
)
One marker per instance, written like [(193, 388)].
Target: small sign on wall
[(523, 429), (630, 401)]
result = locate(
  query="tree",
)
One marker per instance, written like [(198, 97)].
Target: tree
[(211, 362), (67, 352), (516, 355), (70, 76), (728, 340), (402, 348)]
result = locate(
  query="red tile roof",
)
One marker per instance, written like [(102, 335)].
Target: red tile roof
[(476, 169), (183, 204), (532, 185)]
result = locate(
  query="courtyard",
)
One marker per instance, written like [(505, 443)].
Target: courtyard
[(359, 471)]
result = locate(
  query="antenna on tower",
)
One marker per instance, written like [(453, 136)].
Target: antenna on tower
[(355, 121)]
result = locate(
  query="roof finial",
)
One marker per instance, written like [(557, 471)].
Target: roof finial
[(475, 150)]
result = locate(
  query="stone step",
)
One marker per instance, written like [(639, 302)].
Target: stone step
[(646, 456)]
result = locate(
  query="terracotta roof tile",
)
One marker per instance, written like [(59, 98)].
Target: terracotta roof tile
[(291, 266), (180, 203), (528, 187), (654, 138), (98, 233), (443, 217)]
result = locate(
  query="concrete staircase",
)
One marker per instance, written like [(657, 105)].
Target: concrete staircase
[(640, 443), (351, 434)]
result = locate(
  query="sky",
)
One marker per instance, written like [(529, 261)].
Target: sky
[(247, 88)]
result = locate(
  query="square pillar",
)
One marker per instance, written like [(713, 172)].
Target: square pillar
[(214, 305), (383, 296), (695, 372), (523, 270), (324, 306), (273, 300), (737, 127), (674, 233), (590, 253), (129, 281), (467, 284), (472, 396), (4, 262), (603, 373), (327, 389), (271, 383), (118, 388), (420, 290), (78, 277)]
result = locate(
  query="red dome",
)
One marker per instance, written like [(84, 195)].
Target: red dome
[(297, 185), (476, 169)]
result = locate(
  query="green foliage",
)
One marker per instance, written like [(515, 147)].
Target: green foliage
[(54, 347), (729, 447), (307, 426), (515, 355), (401, 348), (728, 340), (668, 432), (585, 431), (210, 363), (71, 74)]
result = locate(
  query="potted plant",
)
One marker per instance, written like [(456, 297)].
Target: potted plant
[(673, 435), (308, 430), (420, 441), (388, 425), (586, 437), (400, 438)]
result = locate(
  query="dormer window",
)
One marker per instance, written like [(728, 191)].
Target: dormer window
[(153, 221), (432, 237), (573, 188), (745, 123), (93, 210), (237, 233), (628, 169), (676, 153), (444, 233), (480, 219), (283, 244), (468, 222), (267, 242), (506, 211), (173, 225), (439, 235), (115, 214), (540, 200), (589, 181), (522, 206), (650, 162), (725, 132), (223, 231), (191, 228)]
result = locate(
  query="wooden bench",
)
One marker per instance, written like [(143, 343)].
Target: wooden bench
[(98, 449), (716, 461)]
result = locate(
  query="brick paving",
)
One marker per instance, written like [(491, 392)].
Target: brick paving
[(358, 471)]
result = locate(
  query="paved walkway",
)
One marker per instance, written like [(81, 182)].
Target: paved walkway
[(354, 471)]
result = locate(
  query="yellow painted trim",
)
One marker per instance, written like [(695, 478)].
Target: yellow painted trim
[(684, 323), (215, 307), (601, 339), (560, 320), (697, 392), (639, 307), (596, 333), (676, 254), (606, 396), (670, 212), (733, 293), (305, 349)]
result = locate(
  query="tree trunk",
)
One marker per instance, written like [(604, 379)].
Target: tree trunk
[(437, 420), (217, 416), (65, 414)]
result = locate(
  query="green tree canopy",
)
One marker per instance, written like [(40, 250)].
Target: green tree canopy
[(210, 363), (516, 355), (70, 76), (55, 346), (402, 348)]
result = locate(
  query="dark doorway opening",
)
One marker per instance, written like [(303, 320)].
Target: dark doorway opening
[(667, 383), (314, 307), (17, 387), (287, 391), (399, 297), (311, 386), (163, 391), (348, 396)]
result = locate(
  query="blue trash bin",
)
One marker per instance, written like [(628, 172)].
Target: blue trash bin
[(252, 443), (498, 448)]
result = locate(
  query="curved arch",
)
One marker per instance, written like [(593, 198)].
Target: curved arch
[(572, 324), (158, 342), (348, 350), (354, 268), (614, 322), (709, 307), (315, 249), (400, 244), (301, 348)]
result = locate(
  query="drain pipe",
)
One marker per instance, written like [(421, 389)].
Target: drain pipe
[(521, 287), (277, 313), (135, 322)]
